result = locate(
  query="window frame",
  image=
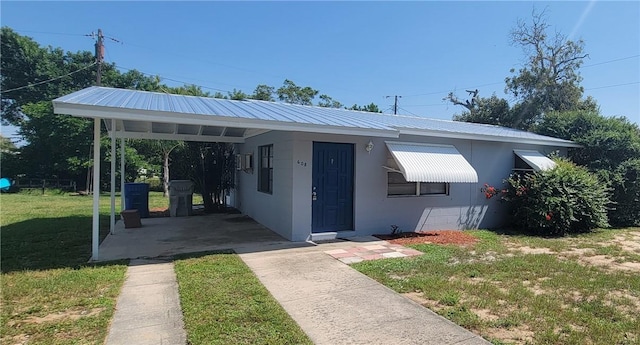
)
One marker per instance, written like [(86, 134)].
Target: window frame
[(417, 187), (265, 169)]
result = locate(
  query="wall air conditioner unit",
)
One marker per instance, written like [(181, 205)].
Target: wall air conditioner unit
[(248, 162), (239, 162)]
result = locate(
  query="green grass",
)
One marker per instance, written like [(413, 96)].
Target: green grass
[(224, 303), (50, 294), (513, 297), (52, 231)]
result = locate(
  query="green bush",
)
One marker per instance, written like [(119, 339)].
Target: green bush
[(626, 194), (155, 183), (565, 199)]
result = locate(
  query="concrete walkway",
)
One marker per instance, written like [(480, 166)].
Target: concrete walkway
[(148, 309), (334, 304)]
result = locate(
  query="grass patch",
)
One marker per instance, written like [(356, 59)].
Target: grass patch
[(50, 295), (510, 296), (52, 231), (224, 303)]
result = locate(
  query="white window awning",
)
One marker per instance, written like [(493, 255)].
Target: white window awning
[(431, 163), (535, 159)]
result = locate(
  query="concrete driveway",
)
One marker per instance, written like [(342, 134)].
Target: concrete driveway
[(167, 236)]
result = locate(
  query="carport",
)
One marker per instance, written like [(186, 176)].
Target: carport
[(148, 115)]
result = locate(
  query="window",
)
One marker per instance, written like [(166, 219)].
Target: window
[(265, 172), (398, 186)]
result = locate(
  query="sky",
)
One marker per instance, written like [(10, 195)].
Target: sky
[(355, 52)]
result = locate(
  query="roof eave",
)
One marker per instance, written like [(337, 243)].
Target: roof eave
[(443, 134), (104, 112)]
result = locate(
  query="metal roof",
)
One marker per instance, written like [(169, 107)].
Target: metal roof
[(142, 114), (431, 163), (535, 159)]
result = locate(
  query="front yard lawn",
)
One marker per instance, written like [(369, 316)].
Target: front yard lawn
[(224, 303), (515, 289)]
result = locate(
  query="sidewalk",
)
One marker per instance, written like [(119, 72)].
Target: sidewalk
[(148, 308), (334, 304)]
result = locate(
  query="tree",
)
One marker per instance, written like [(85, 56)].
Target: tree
[(372, 108), (210, 166), (606, 141), (237, 95), (158, 152), (549, 80), (264, 93), (491, 111), (328, 102), (291, 93), (56, 145)]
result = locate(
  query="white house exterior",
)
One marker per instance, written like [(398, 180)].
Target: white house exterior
[(289, 208), (310, 172)]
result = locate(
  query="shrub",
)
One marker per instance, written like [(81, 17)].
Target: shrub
[(626, 194), (565, 199)]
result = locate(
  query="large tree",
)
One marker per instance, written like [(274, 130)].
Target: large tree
[(291, 93), (550, 78), (492, 110)]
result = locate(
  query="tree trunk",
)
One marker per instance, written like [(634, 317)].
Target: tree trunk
[(165, 175)]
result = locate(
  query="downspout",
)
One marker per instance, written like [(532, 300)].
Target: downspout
[(112, 219), (95, 239)]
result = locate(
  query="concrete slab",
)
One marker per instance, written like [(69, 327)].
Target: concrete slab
[(148, 308), (168, 236), (335, 304)]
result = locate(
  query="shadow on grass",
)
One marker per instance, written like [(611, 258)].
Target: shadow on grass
[(46, 243), (196, 255)]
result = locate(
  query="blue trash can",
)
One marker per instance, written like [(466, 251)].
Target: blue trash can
[(136, 196)]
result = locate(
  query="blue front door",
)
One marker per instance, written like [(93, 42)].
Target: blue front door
[(332, 190)]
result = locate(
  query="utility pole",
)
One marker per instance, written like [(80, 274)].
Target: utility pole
[(395, 104), (99, 56)]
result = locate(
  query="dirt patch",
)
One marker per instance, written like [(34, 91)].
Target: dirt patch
[(436, 237), (510, 335), (518, 335), (608, 262), (20, 339), (629, 243), (69, 314), (418, 297), (529, 250)]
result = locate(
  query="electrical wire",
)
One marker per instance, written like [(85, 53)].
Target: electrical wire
[(50, 80), (616, 85), (175, 80), (610, 61)]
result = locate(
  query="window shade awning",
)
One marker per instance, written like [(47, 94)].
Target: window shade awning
[(535, 159), (431, 163)]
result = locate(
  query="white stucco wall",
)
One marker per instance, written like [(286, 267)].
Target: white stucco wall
[(288, 210)]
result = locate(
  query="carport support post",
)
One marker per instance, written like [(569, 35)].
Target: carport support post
[(95, 240), (112, 218), (121, 174)]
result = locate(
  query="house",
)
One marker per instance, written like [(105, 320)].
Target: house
[(310, 172)]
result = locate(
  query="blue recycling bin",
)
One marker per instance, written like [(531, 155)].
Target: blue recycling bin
[(136, 196)]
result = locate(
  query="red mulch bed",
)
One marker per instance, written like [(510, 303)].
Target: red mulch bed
[(437, 237)]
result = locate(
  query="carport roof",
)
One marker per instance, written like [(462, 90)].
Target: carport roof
[(154, 115)]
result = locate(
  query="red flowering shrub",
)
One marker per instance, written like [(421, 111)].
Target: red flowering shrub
[(565, 199)]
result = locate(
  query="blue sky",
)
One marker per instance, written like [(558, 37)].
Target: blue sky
[(356, 52)]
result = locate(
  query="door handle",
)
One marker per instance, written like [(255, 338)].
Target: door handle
[(314, 196)]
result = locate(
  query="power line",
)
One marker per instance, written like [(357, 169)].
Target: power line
[(52, 79), (610, 61), (616, 85), (49, 33), (175, 80)]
